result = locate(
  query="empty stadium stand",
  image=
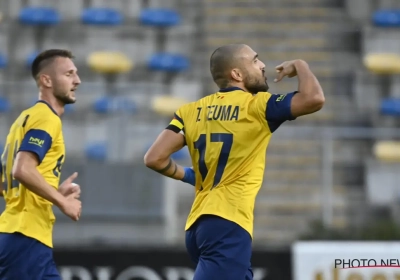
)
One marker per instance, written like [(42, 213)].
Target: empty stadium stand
[(380, 96), (140, 60)]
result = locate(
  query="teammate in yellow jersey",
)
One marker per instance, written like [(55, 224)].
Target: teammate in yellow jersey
[(31, 167), (227, 134)]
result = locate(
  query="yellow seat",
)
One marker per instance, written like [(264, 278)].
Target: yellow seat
[(167, 105), (382, 63), (109, 62), (387, 151)]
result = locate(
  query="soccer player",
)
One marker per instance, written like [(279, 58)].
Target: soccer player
[(227, 134), (31, 167)]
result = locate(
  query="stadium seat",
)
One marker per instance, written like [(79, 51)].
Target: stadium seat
[(39, 16), (166, 105), (30, 58), (387, 151), (168, 62), (96, 151), (159, 17), (69, 108), (109, 62), (5, 105), (390, 106), (3, 61), (386, 18), (383, 63), (109, 104), (101, 16)]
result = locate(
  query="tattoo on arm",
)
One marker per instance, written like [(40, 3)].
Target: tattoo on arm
[(166, 168), (175, 169)]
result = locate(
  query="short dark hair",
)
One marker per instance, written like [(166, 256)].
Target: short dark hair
[(221, 61), (45, 58)]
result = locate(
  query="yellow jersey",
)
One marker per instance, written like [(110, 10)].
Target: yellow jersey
[(227, 134), (37, 130)]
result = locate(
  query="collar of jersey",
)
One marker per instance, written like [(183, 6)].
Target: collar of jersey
[(230, 89), (51, 108)]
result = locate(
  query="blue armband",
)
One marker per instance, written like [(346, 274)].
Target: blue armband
[(190, 176)]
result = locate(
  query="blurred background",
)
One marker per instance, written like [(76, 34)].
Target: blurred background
[(333, 175)]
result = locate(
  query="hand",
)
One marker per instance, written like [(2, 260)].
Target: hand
[(287, 68), (71, 207), (68, 187)]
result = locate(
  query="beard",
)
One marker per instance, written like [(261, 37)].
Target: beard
[(255, 85), (64, 98)]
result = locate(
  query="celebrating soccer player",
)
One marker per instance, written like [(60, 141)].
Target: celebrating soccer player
[(227, 134), (31, 167)]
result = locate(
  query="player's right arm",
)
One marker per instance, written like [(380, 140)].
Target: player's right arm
[(310, 96), (158, 157), (30, 155), (24, 170)]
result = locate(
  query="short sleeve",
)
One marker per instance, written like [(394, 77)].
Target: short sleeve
[(40, 131), (276, 109), (177, 125)]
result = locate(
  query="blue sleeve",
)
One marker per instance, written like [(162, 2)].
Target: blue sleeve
[(36, 141), (278, 110)]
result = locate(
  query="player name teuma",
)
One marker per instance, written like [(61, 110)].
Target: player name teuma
[(219, 113)]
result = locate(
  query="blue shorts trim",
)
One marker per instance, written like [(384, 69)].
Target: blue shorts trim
[(221, 249), (25, 258)]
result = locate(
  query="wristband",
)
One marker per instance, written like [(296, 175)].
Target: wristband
[(190, 176)]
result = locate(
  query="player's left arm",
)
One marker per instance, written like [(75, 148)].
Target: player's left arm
[(158, 157), (310, 96), (276, 109)]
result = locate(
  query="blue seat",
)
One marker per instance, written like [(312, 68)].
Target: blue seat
[(5, 105), (168, 62), (96, 151), (159, 17), (101, 16), (108, 104), (69, 108), (39, 16), (3, 61), (31, 57), (390, 107), (387, 18)]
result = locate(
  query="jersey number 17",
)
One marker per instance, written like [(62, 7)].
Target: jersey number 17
[(200, 145)]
